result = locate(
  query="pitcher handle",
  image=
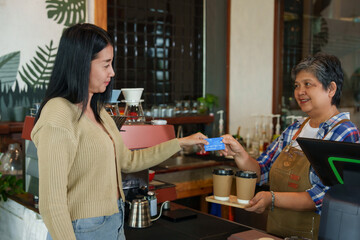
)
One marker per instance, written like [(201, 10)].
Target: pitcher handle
[(130, 204), (161, 208)]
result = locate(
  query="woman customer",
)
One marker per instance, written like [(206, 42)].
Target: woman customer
[(296, 192), (80, 150)]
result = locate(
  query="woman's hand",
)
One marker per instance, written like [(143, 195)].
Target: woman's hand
[(242, 158), (232, 146), (194, 139), (260, 202)]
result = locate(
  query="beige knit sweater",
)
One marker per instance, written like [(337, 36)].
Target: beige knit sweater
[(77, 168)]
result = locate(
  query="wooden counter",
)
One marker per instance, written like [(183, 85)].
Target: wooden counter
[(26, 199)]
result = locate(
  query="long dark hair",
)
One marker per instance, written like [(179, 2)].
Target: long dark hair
[(79, 45)]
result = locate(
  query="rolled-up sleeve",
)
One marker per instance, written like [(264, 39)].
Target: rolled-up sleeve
[(317, 191)]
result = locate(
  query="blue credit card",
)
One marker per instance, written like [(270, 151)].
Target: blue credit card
[(214, 144)]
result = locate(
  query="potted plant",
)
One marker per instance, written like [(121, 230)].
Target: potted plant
[(208, 103), (10, 185)]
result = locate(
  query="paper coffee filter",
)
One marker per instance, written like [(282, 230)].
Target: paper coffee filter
[(132, 94)]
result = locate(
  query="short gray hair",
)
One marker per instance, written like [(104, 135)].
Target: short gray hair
[(326, 68)]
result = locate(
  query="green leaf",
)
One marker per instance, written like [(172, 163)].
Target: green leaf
[(12, 180), (29, 76), (39, 71), (36, 67), (34, 73), (67, 12), (19, 183), (25, 79), (39, 63), (41, 56), (10, 185), (42, 50), (9, 65), (209, 100)]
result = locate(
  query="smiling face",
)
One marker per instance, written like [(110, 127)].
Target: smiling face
[(311, 96), (101, 71)]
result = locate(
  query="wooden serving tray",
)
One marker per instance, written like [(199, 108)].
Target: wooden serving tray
[(232, 202)]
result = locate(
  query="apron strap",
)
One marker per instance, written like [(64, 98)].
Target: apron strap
[(337, 124), (300, 129), (306, 120)]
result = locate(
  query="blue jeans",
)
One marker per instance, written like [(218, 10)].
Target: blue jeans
[(104, 227)]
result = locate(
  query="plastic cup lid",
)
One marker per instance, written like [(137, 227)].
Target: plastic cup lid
[(246, 174), (223, 171)]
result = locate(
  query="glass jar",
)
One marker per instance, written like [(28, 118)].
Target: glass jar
[(178, 108), (12, 160), (162, 110), (194, 107), (186, 107), (170, 111), (155, 111), (202, 108)]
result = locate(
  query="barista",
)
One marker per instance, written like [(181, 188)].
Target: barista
[(296, 192)]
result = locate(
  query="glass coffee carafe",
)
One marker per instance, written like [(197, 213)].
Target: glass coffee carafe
[(134, 112)]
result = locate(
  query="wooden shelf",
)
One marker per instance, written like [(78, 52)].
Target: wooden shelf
[(204, 119), (11, 127)]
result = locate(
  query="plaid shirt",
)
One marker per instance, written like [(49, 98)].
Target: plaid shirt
[(345, 132)]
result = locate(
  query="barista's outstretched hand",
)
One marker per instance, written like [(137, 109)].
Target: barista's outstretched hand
[(260, 202), (232, 146), (242, 159), (194, 139)]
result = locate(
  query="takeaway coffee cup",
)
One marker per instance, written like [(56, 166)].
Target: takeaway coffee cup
[(222, 179), (245, 186)]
